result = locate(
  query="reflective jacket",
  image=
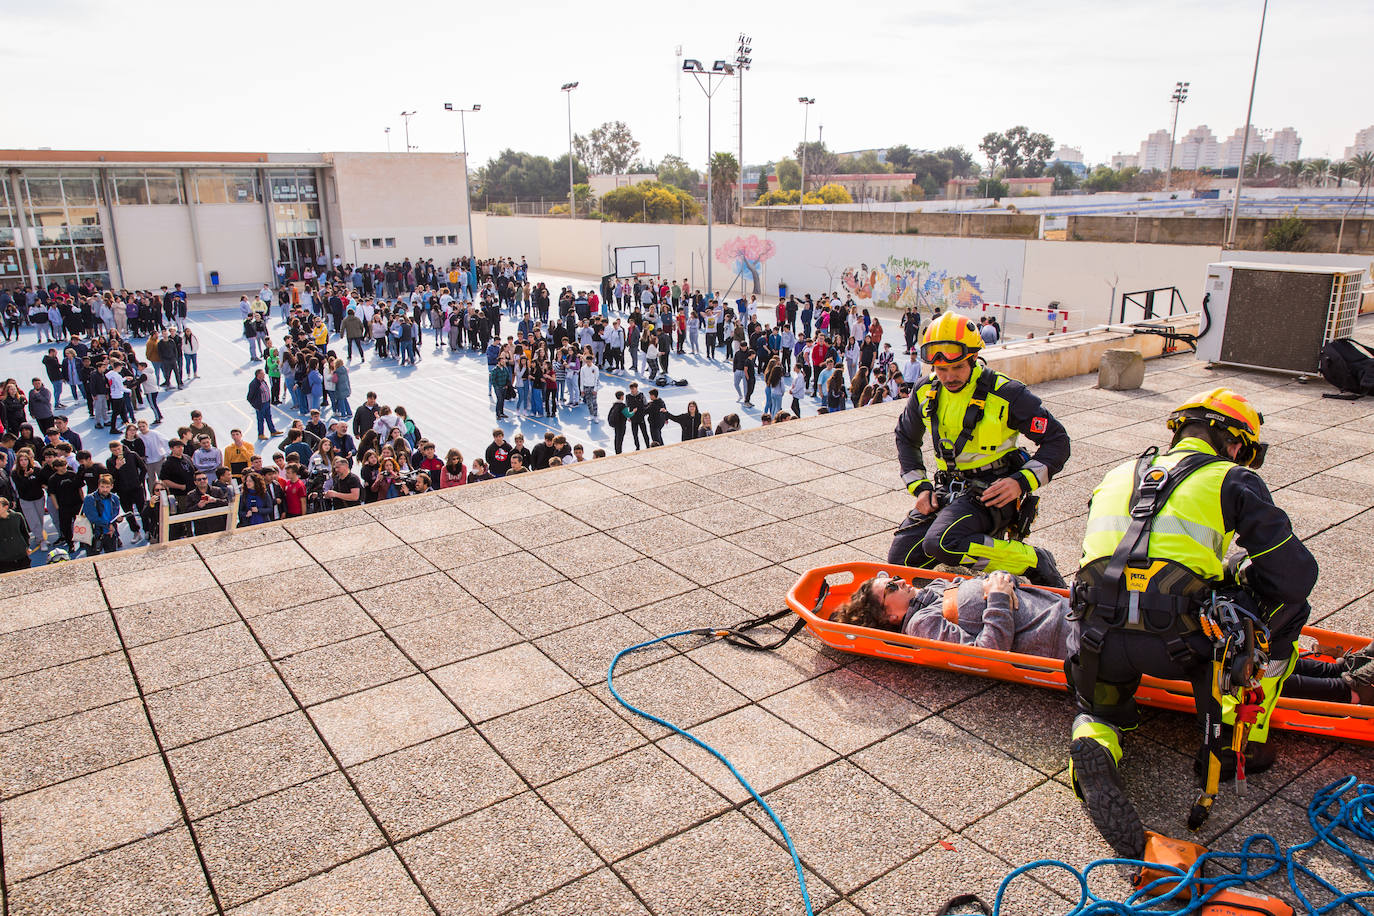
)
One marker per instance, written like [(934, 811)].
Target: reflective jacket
[(1196, 524), (1010, 410)]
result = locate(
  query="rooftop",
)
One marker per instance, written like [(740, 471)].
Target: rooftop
[(402, 708)]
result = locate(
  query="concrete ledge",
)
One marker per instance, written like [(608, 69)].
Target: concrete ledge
[(1064, 356)]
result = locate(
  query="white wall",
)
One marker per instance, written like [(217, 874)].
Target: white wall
[(1082, 275), (233, 240), (946, 271), (155, 246)]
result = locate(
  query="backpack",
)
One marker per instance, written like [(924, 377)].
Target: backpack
[(1349, 366)]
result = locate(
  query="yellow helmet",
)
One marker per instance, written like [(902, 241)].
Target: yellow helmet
[(1230, 412), (951, 338)]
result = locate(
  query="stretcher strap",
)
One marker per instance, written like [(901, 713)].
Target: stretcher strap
[(737, 635)]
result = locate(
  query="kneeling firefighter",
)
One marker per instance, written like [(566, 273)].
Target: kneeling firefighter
[(985, 483), (1154, 597)]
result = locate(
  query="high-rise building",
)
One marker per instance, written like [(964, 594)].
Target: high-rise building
[(1197, 149), (1154, 152), (1364, 143), (1231, 151), (1284, 146), (1124, 161), (1072, 157)]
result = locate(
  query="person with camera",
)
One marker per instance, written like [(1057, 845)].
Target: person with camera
[(343, 489)]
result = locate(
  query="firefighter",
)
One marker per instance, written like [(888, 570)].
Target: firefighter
[(985, 483), (1152, 573)]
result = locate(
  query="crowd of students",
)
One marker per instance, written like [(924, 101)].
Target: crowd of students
[(551, 359)]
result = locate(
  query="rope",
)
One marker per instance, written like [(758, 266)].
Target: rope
[(1329, 813), (610, 682)]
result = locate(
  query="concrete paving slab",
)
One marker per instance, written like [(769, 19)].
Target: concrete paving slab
[(632, 801), (383, 719), (154, 621), (64, 689), (600, 892), (503, 681), (308, 626), (218, 704), (157, 875), (52, 644), (758, 743), (497, 858), (317, 675), (263, 845), (61, 749), (433, 783), (373, 885), (588, 734), (676, 690)]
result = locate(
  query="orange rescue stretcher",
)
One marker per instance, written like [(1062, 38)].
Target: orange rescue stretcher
[(821, 590)]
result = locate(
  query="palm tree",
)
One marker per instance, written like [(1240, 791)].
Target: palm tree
[(1317, 171), (724, 174), (1342, 170), (1364, 168), (1259, 162), (1293, 172)]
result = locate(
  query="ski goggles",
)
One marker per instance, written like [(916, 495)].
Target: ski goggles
[(945, 352)]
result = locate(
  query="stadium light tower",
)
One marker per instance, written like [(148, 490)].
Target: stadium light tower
[(720, 70), (572, 196), (742, 62), (467, 188), (806, 114), (1179, 97)]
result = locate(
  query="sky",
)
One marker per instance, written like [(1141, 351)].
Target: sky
[(292, 76)]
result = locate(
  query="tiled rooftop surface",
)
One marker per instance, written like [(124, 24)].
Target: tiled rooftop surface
[(401, 709)]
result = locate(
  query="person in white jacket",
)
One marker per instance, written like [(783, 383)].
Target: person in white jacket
[(589, 377)]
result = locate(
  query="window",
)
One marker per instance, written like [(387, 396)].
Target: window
[(453, 240), (438, 240), (429, 240), (134, 187), (376, 243), (227, 186), (391, 243), (365, 243)]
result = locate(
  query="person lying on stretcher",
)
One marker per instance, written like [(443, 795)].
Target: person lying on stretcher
[(994, 612)]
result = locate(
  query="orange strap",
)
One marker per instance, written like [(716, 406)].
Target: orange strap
[(951, 603)]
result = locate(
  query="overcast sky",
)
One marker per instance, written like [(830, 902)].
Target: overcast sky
[(295, 76)]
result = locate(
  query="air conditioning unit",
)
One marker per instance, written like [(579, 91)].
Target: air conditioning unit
[(1276, 316)]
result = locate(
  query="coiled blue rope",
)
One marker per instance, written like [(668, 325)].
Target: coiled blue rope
[(1328, 813), (610, 682)]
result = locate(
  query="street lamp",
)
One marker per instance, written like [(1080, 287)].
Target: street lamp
[(407, 116), (572, 196), (1245, 137), (720, 69), (467, 189), (1179, 97), (388, 139), (742, 62), (354, 237), (806, 114)]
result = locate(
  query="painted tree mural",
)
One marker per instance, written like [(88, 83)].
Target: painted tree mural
[(745, 255)]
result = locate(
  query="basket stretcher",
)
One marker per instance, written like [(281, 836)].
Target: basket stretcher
[(1338, 721)]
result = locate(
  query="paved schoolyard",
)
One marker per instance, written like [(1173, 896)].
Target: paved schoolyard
[(401, 708)]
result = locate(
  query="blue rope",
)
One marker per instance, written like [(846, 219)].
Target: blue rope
[(610, 682), (1328, 812)]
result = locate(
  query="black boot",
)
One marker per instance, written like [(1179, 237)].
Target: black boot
[(1097, 782), (1045, 571)]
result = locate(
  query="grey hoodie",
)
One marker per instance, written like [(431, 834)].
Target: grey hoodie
[(1038, 626)]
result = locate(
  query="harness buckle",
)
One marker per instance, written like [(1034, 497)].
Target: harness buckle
[(1154, 480)]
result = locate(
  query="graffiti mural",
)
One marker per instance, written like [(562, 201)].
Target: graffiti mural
[(901, 283), (745, 255)]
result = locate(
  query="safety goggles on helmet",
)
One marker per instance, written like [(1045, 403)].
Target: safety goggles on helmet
[(946, 351), (1231, 413)]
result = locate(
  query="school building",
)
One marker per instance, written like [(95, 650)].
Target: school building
[(143, 219)]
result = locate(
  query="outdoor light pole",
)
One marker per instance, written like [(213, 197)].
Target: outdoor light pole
[(467, 173), (354, 237), (742, 62), (388, 139), (572, 196), (806, 114), (1245, 137), (1179, 97), (407, 116), (720, 69)]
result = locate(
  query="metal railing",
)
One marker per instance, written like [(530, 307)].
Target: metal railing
[(1148, 304)]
